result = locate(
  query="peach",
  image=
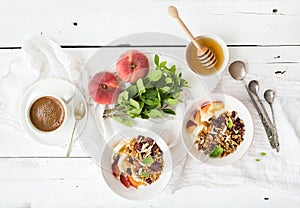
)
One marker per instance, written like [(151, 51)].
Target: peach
[(132, 65), (197, 117), (190, 126), (104, 88)]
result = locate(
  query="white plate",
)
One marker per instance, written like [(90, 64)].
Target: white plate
[(56, 87), (142, 193), (233, 104), (105, 59)]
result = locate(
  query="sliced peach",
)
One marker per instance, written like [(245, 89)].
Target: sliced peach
[(124, 180), (197, 117), (218, 105), (133, 182), (205, 107), (190, 126), (115, 168)]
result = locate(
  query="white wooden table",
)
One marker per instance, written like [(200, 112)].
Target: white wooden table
[(265, 34)]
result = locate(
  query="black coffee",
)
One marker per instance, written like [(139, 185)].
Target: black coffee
[(47, 113)]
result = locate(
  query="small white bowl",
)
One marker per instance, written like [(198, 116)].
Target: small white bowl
[(215, 43), (143, 192), (234, 105)]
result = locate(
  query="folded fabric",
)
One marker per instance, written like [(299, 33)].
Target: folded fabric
[(277, 171)]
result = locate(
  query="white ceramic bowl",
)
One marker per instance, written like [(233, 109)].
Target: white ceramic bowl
[(143, 192), (233, 104), (215, 44)]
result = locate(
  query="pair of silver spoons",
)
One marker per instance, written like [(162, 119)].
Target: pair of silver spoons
[(238, 72)]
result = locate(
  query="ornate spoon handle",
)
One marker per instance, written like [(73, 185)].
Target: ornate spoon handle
[(269, 128)]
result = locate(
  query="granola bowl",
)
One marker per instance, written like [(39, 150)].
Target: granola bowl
[(217, 129), (136, 164)]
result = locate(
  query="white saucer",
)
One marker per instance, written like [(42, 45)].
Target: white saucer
[(56, 87)]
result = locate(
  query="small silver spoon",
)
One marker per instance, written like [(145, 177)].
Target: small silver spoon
[(269, 96), (237, 70), (254, 88), (79, 114)]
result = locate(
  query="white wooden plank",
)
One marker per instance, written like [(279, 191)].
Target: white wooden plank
[(77, 182), (94, 22), (260, 60)]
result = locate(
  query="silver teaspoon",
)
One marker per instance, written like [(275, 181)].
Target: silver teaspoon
[(238, 71), (269, 96), (79, 114), (254, 88)]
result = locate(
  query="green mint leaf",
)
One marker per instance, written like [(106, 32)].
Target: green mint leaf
[(173, 68), (155, 114), (123, 96), (172, 102), (144, 116), (134, 103), (154, 75), (230, 124), (156, 60), (168, 80), (140, 86), (148, 161), (263, 154), (169, 111), (144, 174), (163, 64), (165, 89), (176, 95), (257, 160), (132, 91), (216, 152), (151, 97)]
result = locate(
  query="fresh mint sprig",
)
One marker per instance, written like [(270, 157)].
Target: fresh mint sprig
[(152, 97)]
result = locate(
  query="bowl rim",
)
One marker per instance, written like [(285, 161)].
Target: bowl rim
[(168, 171), (225, 50), (213, 95)]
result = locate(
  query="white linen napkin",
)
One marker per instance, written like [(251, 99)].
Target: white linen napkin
[(276, 171), (39, 58)]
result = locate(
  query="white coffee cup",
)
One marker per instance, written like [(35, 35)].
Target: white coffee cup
[(62, 102)]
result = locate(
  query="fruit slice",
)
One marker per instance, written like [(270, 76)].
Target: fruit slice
[(124, 180), (205, 107), (217, 105), (197, 117), (133, 182), (190, 126), (115, 168)]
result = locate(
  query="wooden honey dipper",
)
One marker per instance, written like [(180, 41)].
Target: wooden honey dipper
[(204, 54)]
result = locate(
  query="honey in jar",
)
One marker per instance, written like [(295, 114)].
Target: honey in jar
[(217, 46)]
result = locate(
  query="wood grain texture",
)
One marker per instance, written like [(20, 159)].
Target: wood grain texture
[(97, 22), (264, 34), (280, 62), (58, 182)]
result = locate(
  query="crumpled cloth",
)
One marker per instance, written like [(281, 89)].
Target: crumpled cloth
[(275, 171)]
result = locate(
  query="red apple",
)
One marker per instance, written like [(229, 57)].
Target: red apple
[(132, 65), (104, 88)]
